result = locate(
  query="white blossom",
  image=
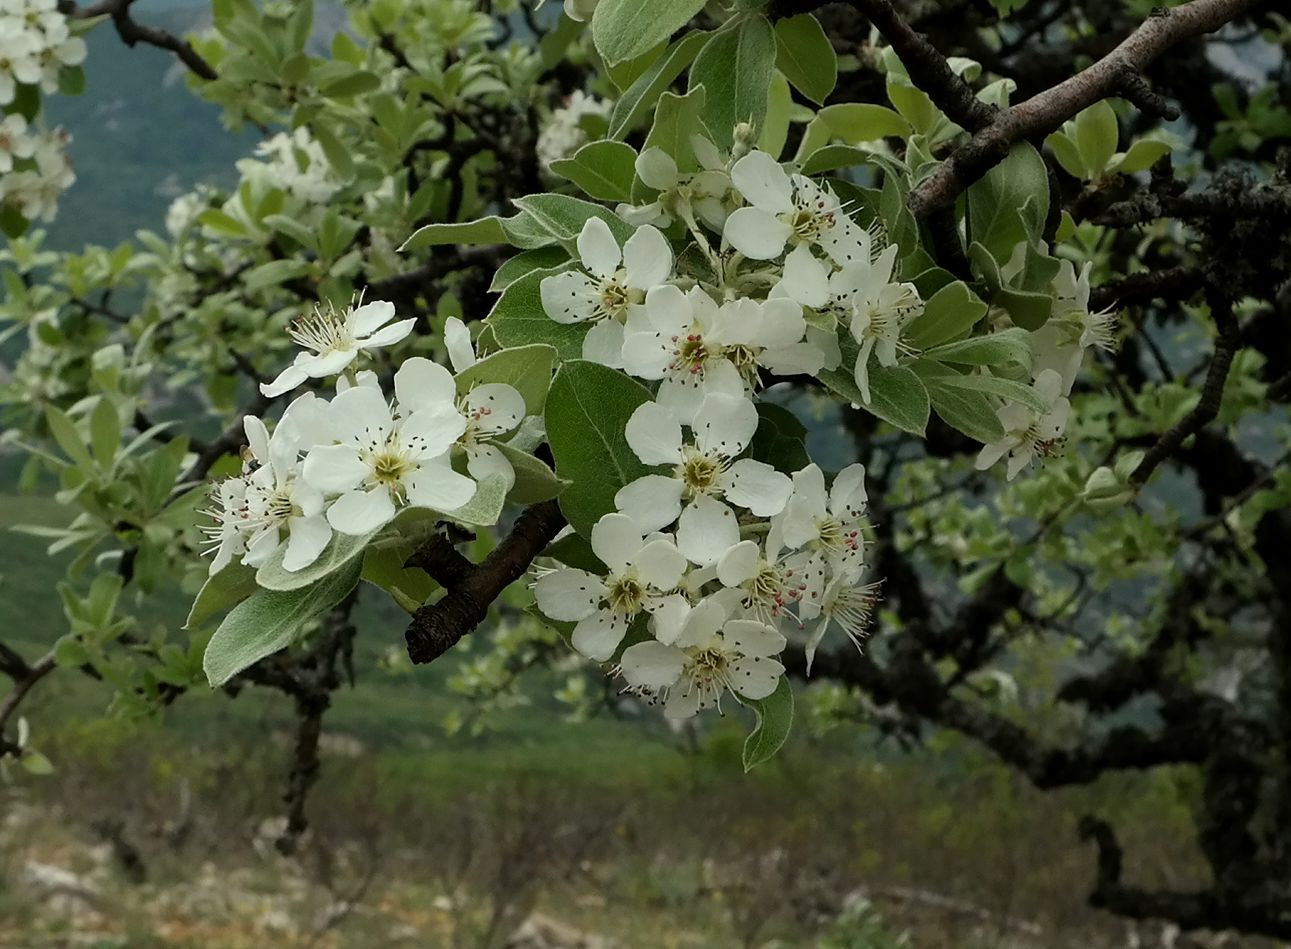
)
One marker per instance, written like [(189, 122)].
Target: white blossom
[(334, 340), (877, 311), (643, 573), (828, 528), (704, 196), (1027, 432), (563, 133)]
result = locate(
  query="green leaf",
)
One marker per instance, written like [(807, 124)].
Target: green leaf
[(775, 129), (780, 439), (1028, 309), (1141, 156), (222, 223), (994, 385), (626, 29), (337, 154), (563, 217), (534, 480), (604, 170), (527, 368), (339, 552), (1068, 155), (105, 433), (950, 312), (735, 69), (638, 98), (1096, 134), (273, 273), (852, 123), (676, 121), (806, 56), (587, 415), (269, 621), (832, 157), (355, 84), (540, 258), (1008, 206), (488, 230), (12, 223), (993, 349), (969, 412), (575, 550), (69, 438), (518, 319), (297, 231), (899, 398), (34, 762), (71, 80), (775, 719), (485, 508), (221, 592)]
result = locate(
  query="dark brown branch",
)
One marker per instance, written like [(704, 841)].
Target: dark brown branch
[(132, 32), (1212, 394), (1045, 113), (37, 671), (469, 592)]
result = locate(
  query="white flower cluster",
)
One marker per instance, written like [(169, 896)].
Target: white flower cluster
[(294, 162), (351, 464), (34, 167), (1058, 350), (715, 558), (563, 134), (35, 44)]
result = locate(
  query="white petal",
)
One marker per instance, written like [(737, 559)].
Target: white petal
[(457, 339), (568, 595), (648, 258), (782, 323), (616, 540), (365, 320), (758, 487), (389, 335), (431, 431), (604, 344), (683, 701), (647, 355), (847, 493), (670, 311), (652, 665), (725, 424), (763, 182), (421, 384), (654, 434), (660, 564), (287, 380), (496, 406), (703, 622), (809, 486), (756, 677), (656, 169), (667, 614), (706, 530), (485, 460), (738, 564), (598, 249), (328, 363), (569, 297), (597, 636), (309, 535), (334, 469), (805, 277), (754, 638), (361, 512), (756, 234), (653, 501), (437, 486), (257, 438)]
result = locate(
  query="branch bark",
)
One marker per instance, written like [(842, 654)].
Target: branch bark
[(133, 32)]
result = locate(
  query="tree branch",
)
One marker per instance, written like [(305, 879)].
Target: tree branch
[(132, 32), (1045, 113), (471, 588)]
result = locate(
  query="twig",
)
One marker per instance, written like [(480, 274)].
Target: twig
[(132, 32)]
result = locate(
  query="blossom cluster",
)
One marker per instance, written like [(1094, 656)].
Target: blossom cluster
[(295, 163), (36, 42), (34, 167), (564, 132), (351, 464)]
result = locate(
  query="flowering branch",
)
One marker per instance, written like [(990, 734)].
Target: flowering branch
[(472, 588), (1045, 113)]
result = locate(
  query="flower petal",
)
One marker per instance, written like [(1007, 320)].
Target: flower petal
[(725, 424), (648, 258), (616, 540), (361, 512), (739, 564), (389, 335), (598, 249), (806, 278), (653, 501), (654, 434), (656, 169), (365, 320), (756, 677), (706, 530), (847, 494), (598, 635), (485, 460), (652, 665), (431, 431), (660, 564), (667, 614), (309, 535), (604, 344), (703, 622), (335, 469), (496, 407), (568, 595), (457, 340), (422, 384), (436, 486), (758, 487), (763, 182), (288, 379), (756, 234), (570, 297)]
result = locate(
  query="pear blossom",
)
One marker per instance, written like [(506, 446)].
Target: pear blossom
[(295, 163), (19, 58), (491, 410), (828, 529), (845, 602), (277, 498), (457, 340), (877, 311), (643, 573), (784, 209), (703, 475), (612, 284), (1029, 433), (382, 460), (768, 587), (334, 340), (712, 655), (563, 133), (226, 537), (702, 196), (15, 141), (1072, 328)]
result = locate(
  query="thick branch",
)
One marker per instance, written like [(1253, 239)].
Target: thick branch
[(1045, 113), (469, 592)]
